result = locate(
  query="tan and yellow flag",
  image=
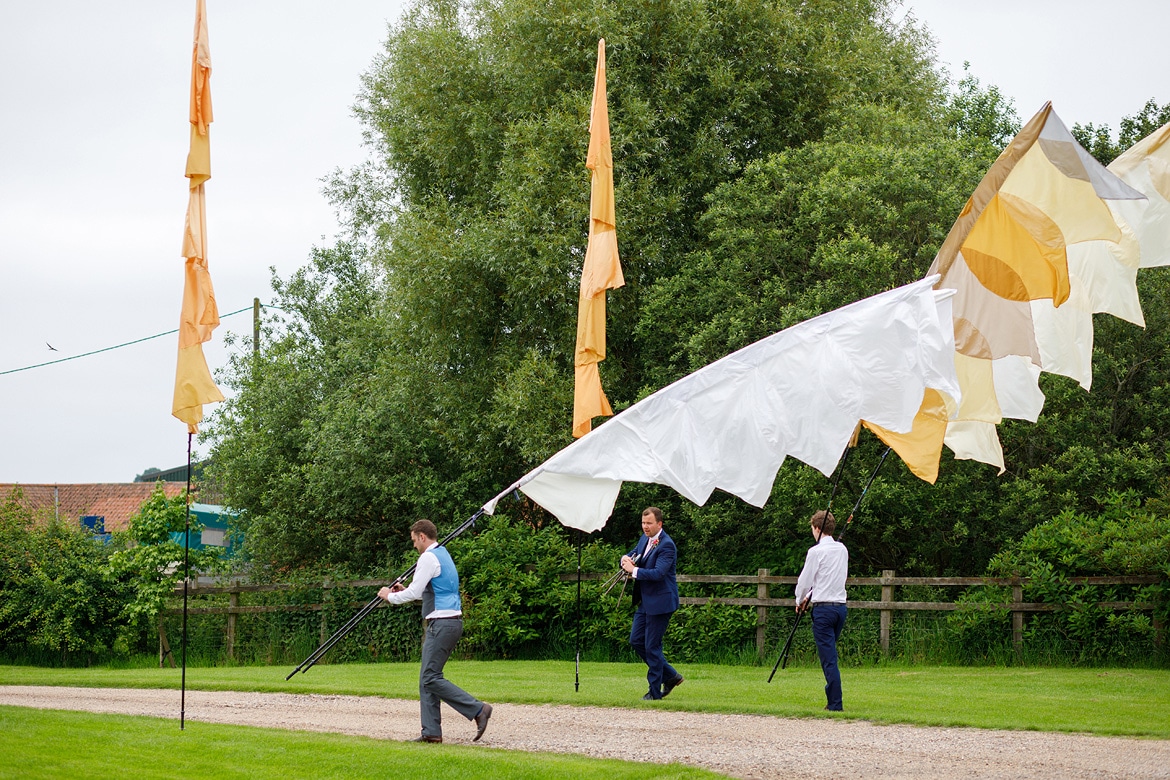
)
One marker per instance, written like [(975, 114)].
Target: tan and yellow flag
[(602, 269), (1025, 292), (193, 383)]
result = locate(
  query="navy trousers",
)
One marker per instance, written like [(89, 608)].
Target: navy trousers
[(646, 639), (827, 622)]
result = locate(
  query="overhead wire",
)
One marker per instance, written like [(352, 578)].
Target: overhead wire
[(127, 344)]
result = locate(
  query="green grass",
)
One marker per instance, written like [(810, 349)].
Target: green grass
[(1132, 702), (55, 744)]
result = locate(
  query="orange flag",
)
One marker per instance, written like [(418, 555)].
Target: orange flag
[(602, 269), (193, 383)]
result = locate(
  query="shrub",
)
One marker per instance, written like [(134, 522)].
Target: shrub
[(55, 591), (1125, 538)]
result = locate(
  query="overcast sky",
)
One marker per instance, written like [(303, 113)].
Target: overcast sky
[(94, 139)]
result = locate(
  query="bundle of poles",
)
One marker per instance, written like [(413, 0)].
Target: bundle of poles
[(622, 576), (374, 603)]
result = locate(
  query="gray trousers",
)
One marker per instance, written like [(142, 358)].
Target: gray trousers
[(439, 640)]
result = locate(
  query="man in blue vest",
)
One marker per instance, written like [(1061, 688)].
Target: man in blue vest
[(651, 565), (436, 584)]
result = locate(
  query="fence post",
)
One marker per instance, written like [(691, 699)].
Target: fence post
[(887, 614), (164, 647), (326, 600), (1017, 617), (233, 601), (762, 615)]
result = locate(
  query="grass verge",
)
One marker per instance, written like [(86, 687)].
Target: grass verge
[(55, 744), (1132, 702)]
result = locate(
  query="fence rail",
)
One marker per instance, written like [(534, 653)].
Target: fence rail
[(888, 605), (762, 601)]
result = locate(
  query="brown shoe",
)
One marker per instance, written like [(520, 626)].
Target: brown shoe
[(427, 738), (481, 721)]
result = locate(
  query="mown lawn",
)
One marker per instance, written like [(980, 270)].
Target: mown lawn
[(1133, 702), (53, 744)]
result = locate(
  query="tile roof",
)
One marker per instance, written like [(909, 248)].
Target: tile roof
[(115, 501)]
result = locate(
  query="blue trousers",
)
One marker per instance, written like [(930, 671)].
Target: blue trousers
[(827, 622), (646, 639)]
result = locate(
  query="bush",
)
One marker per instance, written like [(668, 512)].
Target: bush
[(55, 590), (1125, 538)]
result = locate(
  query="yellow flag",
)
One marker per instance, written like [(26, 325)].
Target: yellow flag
[(921, 448), (602, 269), (193, 383)]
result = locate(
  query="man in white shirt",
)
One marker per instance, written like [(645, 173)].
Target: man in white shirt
[(436, 585), (821, 586)]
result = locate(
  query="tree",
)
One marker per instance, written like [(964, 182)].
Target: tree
[(428, 360), (149, 563), (774, 159), (55, 594), (1098, 139)]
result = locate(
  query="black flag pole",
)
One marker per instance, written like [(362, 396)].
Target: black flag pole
[(374, 603), (865, 490), (801, 608), (186, 581), (782, 661), (577, 677)]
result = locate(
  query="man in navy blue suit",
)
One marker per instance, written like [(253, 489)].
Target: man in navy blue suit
[(651, 564)]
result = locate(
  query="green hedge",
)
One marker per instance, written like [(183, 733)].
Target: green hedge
[(59, 604)]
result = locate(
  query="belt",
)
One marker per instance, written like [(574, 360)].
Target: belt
[(447, 617), (819, 603)]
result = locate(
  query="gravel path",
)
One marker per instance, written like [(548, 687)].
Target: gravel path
[(747, 746)]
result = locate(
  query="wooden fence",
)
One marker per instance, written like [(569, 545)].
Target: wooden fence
[(209, 587), (763, 580), (762, 601)]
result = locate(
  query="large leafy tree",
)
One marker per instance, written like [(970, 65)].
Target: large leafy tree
[(428, 361), (774, 160), (1099, 141)]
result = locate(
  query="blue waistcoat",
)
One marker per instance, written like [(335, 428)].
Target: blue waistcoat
[(442, 592)]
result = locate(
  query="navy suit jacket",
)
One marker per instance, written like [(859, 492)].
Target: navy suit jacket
[(655, 588)]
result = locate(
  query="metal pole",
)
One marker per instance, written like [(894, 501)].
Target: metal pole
[(853, 511), (186, 583), (577, 678), (255, 326), (782, 661)]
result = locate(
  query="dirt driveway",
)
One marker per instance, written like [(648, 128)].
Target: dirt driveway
[(747, 746)]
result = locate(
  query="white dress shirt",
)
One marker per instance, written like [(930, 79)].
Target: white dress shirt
[(427, 568), (645, 552), (825, 568)]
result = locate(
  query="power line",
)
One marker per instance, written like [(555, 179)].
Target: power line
[(117, 346)]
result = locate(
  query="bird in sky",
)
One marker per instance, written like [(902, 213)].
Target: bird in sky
[(50, 346)]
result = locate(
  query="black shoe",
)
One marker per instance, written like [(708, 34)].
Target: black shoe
[(427, 738), (650, 697), (481, 721), (671, 685)]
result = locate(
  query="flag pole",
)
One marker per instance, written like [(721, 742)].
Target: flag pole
[(186, 582), (577, 678)]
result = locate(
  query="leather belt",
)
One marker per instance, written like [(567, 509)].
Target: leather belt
[(819, 603)]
